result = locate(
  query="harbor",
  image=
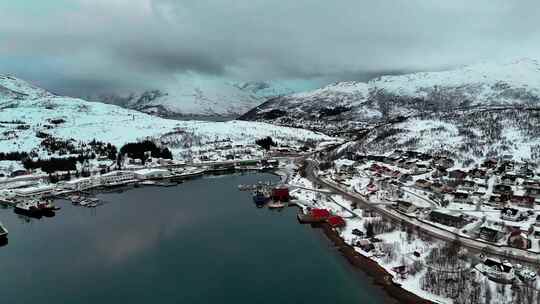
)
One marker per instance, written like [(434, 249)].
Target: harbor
[(32, 195)]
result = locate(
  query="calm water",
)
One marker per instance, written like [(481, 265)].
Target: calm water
[(200, 242)]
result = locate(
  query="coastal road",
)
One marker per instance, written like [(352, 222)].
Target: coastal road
[(430, 229)]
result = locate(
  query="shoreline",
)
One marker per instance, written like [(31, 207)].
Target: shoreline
[(380, 275)]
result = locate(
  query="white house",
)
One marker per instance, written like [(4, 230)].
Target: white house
[(497, 270), (151, 174), (117, 177), (81, 184), (41, 190)]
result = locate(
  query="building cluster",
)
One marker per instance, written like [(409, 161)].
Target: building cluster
[(496, 201)]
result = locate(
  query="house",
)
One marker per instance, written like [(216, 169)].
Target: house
[(443, 163), (512, 214), (491, 232), (457, 174), (424, 156), (401, 271), (507, 166), (502, 189), (439, 173), (537, 222), (490, 163), (81, 184), (410, 164), (498, 271), (117, 177), (144, 174), (526, 171), (34, 191), (480, 192), (523, 201), (532, 191), (437, 187), (421, 168), (365, 245), (468, 185), (270, 163), (478, 173), (314, 216), (336, 221), (18, 173), (448, 218), (405, 207), (375, 167), (533, 183), (405, 178), (497, 200), (422, 183), (462, 197), (518, 239), (509, 179), (281, 193)]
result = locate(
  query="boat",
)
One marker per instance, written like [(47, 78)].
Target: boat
[(94, 202), (276, 205), (3, 231), (166, 184), (46, 206), (148, 183), (85, 203), (260, 199), (30, 208), (75, 199)]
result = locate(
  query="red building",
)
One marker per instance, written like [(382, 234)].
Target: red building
[(336, 221), (280, 193), (322, 214), (314, 216)]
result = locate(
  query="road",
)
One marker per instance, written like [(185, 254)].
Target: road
[(430, 229)]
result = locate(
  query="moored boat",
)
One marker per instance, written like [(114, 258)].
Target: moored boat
[(30, 208), (3, 231), (260, 199), (276, 205)]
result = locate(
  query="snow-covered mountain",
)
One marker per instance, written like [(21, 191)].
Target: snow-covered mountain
[(517, 82), (473, 111), (28, 114), (195, 95)]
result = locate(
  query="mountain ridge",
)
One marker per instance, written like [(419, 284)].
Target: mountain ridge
[(472, 112)]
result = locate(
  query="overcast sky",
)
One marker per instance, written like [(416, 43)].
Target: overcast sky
[(81, 46)]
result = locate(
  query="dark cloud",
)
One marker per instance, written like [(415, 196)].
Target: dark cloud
[(100, 45)]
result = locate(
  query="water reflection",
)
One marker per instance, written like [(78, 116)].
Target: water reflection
[(200, 242)]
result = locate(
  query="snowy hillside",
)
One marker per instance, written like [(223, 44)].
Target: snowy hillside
[(487, 84), (28, 113), (20, 88), (472, 112), (195, 95)]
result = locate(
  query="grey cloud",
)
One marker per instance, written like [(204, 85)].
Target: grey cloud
[(118, 44)]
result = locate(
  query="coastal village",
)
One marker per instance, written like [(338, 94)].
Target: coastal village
[(488, 215), (483, 210), (31, 192)]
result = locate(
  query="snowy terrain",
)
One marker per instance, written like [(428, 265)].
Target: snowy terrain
[(473, 112), (195, 95), (25, 111), (517, 82)]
